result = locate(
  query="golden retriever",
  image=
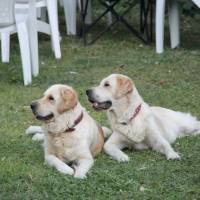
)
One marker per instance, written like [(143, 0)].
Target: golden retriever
[(136, 124), (69, 133)]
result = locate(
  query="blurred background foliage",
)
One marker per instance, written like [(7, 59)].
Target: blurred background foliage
[(189, 8)]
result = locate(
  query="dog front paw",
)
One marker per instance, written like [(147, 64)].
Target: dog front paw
[(80, 175), (38, 137), (173, 156), (123, 158), (64, 169), (31, 130)]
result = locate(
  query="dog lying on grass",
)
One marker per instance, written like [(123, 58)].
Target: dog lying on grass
[(136, 124), (69, 132)]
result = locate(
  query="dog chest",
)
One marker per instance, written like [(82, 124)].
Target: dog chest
[(63, 146)]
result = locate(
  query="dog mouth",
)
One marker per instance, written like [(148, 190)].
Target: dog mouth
[(44, 118), (98, 106)]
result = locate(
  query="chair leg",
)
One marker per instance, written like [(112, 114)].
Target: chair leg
[(43, 14), (61, 3), (160, 14), (88, 17), (174, 23), (79, 4), (53, 20), (5, 46), (25, 52), (39, 12), (70, 16), (109, 17), (33, 34)]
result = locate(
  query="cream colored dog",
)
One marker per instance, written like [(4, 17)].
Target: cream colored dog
[(69, 133), (135, 123)]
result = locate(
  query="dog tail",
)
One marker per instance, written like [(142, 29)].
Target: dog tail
[(189, 124), (106, 131), (197, 130)]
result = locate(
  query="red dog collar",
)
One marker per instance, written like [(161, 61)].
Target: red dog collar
[(137, 110), (76, 122)]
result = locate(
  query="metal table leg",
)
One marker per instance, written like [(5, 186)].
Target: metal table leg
[(145, 12)]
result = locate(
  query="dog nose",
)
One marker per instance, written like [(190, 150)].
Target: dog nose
[(33, 105), (88, 92)]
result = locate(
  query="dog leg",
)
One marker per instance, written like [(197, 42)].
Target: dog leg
[(36, 131), (113, 147), (53, 161), (83, 167), (106, 131), (38, 137), (33, 130), (158, 143)]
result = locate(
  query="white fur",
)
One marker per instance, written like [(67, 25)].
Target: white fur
[(63, 168), (153, 127), (38, 137), (34, 129), (106, 131)]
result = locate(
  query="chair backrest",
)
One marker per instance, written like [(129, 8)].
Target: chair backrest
[(6, 12)]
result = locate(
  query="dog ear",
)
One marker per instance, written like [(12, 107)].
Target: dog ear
[(124, 87), (68, 100)]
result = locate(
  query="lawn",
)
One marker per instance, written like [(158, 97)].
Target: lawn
[(170, 80)]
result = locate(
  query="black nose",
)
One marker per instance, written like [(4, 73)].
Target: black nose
[(88, 92), (33, 105)]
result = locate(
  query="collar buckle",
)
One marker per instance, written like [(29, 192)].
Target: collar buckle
[(137, 110), (76, 122)]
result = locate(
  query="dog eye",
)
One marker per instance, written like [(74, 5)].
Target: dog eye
[(51, 98), (106, 85)]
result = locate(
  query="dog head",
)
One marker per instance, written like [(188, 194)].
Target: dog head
[(57, 100), (111, 90)]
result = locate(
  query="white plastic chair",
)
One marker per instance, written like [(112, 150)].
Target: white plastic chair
[(174, 23), (35, 25), (197, 2), (8, 26), (70, 7), (173, 10)]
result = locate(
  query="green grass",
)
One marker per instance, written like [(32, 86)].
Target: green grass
[(170, 80)]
